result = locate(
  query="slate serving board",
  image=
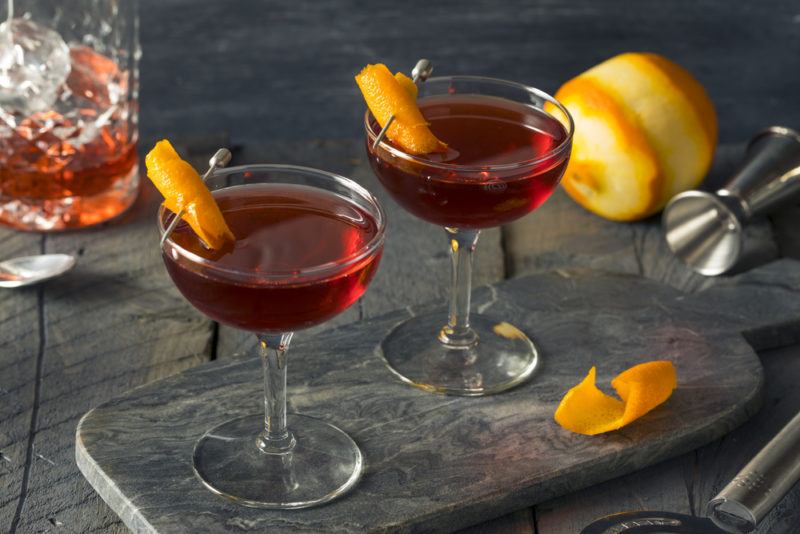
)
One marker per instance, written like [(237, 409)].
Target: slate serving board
[(436, 463)]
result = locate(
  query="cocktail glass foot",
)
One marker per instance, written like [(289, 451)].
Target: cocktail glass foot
[(320, 462), (494, 356)]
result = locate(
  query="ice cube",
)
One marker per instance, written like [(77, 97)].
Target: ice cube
[(94, 87), (34, 63)]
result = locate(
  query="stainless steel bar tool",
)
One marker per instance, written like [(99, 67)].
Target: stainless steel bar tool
[(706, 230), (763, 482), (738, 508)]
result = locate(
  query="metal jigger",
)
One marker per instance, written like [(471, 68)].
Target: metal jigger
[(706, 230)]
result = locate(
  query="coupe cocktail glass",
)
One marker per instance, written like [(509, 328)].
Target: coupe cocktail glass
[(507, 152), (308, 243)]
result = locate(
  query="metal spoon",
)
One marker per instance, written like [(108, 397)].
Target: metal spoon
[(27, 270)]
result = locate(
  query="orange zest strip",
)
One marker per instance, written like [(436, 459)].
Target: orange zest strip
[(407, 84), (388, 95), (587, 410), (183, 188)]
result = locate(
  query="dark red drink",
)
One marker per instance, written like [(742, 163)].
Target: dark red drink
[(505, 160), (301, 256)]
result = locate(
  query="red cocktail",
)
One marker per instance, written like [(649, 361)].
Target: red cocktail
[(306, 246), (295, 263), (481, 181), (507, 148)]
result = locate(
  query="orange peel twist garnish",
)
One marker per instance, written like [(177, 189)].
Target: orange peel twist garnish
[(183, 189), (587, 410), (388, 95)]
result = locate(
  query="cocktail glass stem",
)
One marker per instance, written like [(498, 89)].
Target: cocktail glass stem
[(275, 438), (457, 333)]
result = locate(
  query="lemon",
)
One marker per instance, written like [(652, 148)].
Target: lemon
[(645, 130)]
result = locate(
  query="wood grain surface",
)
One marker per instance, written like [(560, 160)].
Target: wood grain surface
[(20, 364), (267, 71)]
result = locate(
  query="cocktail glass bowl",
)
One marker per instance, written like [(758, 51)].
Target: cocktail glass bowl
[(476, 354), (272, 460)]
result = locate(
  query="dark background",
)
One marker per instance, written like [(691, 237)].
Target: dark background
[(262, 70)]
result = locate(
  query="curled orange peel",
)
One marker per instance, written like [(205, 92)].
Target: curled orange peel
[(183, 189), (407, 84), (388, 95), (587, 410)]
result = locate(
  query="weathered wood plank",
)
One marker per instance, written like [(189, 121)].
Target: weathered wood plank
[(659, 487), (560, 234), (19, 365), (785, 226), (113, 323), (520, 522)]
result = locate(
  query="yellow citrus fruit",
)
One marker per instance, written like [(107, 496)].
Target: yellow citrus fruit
[(645, 130)]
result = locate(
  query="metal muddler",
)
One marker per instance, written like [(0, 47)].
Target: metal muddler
[(421, 72), (221, 158), (763, 482), (706, 230), (738, 508)]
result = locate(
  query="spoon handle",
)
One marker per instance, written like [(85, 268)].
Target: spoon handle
[(763, 482)]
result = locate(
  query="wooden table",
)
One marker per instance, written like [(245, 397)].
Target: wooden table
[(276, 81)]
